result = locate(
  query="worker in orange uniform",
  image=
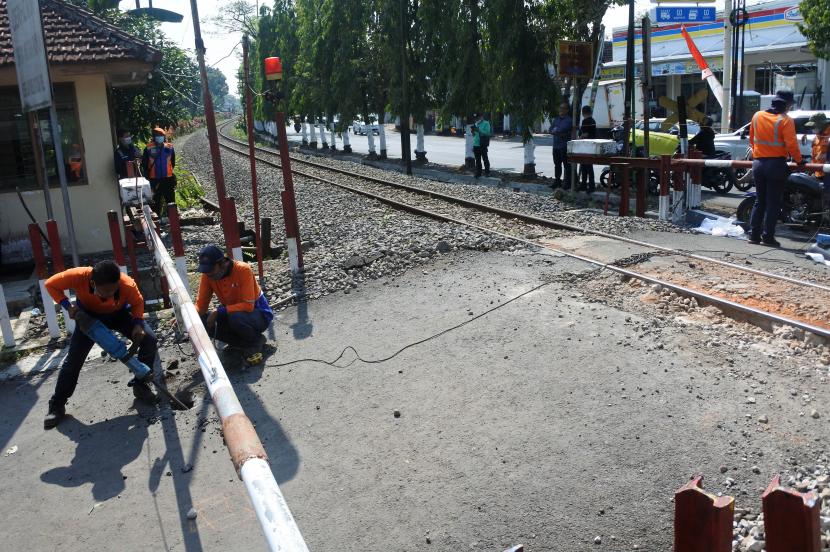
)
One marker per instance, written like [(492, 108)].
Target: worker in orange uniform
[(158, 162), (821, 144), (772, 138), (244, 313), (112, 297)]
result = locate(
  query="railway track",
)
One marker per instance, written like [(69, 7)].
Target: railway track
[(761, 297)]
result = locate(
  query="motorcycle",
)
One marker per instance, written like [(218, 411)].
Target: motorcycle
[(802, 203), (743, 177), (719, 179), (607, 178)]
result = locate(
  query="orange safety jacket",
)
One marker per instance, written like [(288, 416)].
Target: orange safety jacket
[(80, 279), (159, 161), (820, 145), (773, 135), (237, 292)]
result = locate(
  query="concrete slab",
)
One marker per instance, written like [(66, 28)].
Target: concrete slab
[(527, 414)]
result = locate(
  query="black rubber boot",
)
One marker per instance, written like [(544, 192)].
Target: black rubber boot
[(55, 415)]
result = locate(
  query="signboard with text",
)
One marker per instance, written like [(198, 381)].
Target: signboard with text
[(575, 59), (684, 14), (29, 54)]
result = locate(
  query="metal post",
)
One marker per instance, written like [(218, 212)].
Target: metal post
[(249, 117), (178, 243), (574, 130), (726, 111), (266, 236), (629, 81), (665, 167), (210, 119), (405, 147), (115, 236), (642, 181), (289, 202), (5, 323), (58, 266), (34, 123), (645, 79), (67, 208), (42, 274), (246, 450), (625, 187)]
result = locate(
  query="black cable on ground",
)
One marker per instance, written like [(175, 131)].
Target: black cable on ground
[(333, 363)]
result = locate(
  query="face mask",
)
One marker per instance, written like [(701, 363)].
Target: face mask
[(126, 141), (159, 139)]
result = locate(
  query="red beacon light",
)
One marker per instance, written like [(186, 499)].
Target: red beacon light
[(273, 68)]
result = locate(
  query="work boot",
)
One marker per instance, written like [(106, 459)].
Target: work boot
[(56, 413), (142, 391), (754, 240), (771, 242)]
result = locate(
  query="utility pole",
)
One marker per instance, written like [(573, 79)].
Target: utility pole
[(629, 81), (727, 68), (406, 153)]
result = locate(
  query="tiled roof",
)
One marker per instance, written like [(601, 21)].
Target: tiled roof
[(75, 35)]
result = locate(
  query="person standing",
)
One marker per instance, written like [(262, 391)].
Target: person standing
[(481, 142), (561, 130), (771, 137), (244, 313), (587, 131), (158, 163), (104, 293), (704, 140), (125, 154)]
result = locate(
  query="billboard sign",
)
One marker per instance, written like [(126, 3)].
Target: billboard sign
[(684, 14), (575, 59), (29, 54)]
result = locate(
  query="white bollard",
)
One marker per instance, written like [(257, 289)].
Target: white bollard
[(313, 133), (382, 140), (333, 138), (323, 135), (469, 158), (530, 157), (305, 134), (371, 136), (347, 147), (5, 323), (49, 310)]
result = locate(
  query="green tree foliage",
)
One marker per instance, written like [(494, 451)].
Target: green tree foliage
[(816, 26), (218, 86)]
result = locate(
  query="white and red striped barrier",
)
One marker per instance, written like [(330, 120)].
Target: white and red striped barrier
[(42, 274), (246, 450), (178, 243)]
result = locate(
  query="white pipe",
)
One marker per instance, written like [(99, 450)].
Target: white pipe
[(382, 138), (49, 310), (293, 255), (371, 136), (419, 138), (181, 268), (468, 143), (5, 323), (277, 523)]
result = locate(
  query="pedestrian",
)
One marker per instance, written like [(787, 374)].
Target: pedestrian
[(771, 137), (244, 313), (561, 130), (821, 143), (481, 142), (125, 154), (587, 131), (704, 140), (105, 293), (158, 163)]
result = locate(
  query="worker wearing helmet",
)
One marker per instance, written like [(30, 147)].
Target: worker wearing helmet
[(772, 138), (158, 162)]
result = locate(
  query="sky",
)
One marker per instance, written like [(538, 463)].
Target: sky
[(221, 45)]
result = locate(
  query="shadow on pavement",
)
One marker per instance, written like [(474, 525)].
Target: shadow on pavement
[(18, 396), (104, 448), (303, 327)]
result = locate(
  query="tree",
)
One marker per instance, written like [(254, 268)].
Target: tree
[(816, 27), (217, 84)]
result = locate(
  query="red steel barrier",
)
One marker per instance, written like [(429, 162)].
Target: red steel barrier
[(232, 229), (131, 252), (178, 243), (115, 236), (702, 522), (625, 188), (55, 246), (791, 519)]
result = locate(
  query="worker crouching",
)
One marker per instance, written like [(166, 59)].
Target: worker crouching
[(106, 294), (243, 315)]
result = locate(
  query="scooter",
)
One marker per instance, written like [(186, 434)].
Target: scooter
[(803, 204)]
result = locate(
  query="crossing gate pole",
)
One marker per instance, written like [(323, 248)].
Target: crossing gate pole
[(246, 450)]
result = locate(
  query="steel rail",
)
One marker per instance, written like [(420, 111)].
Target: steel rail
[(528, 218), (246, 450), (726, 304)]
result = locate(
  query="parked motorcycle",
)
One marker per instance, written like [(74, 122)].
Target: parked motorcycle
[(743, 177), (607, 177), (719, 179), (801, 205)]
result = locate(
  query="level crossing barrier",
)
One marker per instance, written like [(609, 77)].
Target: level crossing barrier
[(246, 451)]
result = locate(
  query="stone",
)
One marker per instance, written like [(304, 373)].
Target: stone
[(443, 247), (191, 514), (750, 400), (597, 540), (814, 414), (756, 470), (724, 469), (764, 419), (396, 413)]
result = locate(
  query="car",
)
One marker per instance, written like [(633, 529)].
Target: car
[(656, 125), (362, 128), (692, 128), (737, 143)]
